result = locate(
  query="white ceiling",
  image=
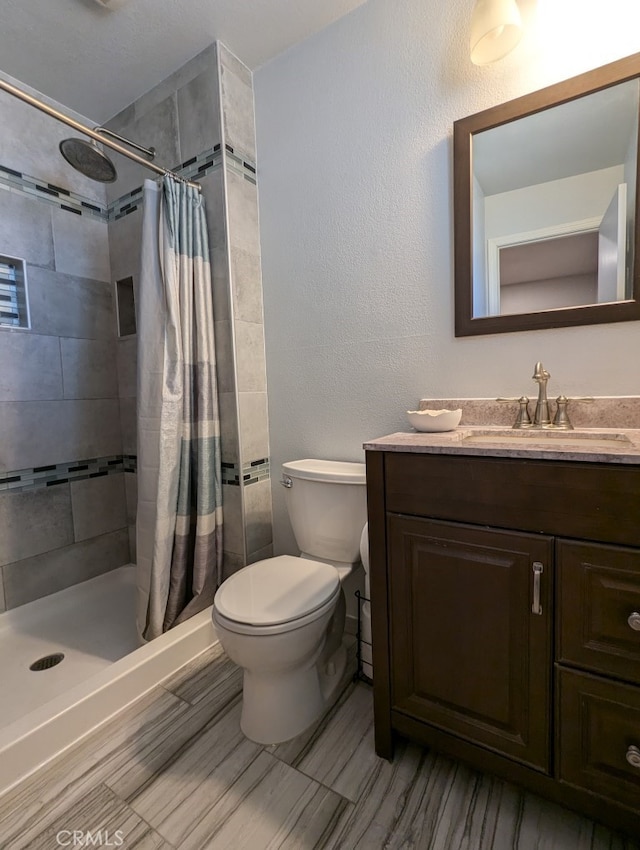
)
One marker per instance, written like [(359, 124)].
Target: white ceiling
[(98, 60), (577, 137)]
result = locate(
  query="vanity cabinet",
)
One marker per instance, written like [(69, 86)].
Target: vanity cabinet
[(598, 728), (598, 596), (467, 653), (503, 600), (598, 719)]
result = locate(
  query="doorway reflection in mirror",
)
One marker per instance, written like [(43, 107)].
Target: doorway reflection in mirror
[(554, 199)]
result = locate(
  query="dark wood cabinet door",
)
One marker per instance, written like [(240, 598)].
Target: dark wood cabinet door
[(599, 736), (468, 654), (599, 608)]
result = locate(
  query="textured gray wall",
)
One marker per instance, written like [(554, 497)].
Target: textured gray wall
[(59, 384), (354, 135)]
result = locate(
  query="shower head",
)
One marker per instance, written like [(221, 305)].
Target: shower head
[(88, 159)]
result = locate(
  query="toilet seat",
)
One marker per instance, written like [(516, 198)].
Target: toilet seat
[(276, 595), (279, 628)]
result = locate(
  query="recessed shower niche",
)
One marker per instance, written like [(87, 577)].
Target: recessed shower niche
[(14, 301), (125, 307)]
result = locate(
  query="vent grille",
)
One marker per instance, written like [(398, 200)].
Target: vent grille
[(14, 307), (47, 662)]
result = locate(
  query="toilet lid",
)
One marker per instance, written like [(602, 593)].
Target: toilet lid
[(276, 590)]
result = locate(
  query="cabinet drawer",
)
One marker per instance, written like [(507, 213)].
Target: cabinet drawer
[(587, 501), (599, 594), (599, 727)]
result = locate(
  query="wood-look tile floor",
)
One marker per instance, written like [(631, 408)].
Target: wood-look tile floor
[(174, 772)]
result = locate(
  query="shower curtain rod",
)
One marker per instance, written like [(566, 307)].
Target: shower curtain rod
[(65, 119)]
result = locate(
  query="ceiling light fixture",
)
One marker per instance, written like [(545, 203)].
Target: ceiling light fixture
[(496, 28)]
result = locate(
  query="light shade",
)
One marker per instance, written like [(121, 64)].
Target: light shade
[(496, 28)]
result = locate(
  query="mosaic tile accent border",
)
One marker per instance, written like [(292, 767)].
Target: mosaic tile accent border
[(24, 184), (256, 470), (230, 473), (130, 463), (198, 166), (39, 477), (126, 204), (252, 472), (195, 167), (241, 165), (201, 165)]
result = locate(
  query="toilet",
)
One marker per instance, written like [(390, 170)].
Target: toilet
[(282, 619)]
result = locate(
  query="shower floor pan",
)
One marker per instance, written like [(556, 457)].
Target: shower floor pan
[(92, 625)]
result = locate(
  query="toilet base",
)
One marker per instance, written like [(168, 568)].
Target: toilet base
[(276, 708)]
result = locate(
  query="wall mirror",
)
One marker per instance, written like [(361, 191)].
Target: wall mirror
[(546, 206)]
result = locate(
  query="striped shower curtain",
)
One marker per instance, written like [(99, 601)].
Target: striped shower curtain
[(179, 522)]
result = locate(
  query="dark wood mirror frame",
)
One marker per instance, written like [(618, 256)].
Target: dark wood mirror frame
[(463, 132)]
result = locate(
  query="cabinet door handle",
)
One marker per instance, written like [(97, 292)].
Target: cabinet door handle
[(634, 621), (633, 756), (538, 569)]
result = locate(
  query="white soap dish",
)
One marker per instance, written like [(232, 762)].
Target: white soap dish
[(434, 420)]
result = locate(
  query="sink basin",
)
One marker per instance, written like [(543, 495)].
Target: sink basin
[(549, 440)]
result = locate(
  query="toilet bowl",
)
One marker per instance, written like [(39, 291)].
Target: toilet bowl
[(282, 619), (273, 619)]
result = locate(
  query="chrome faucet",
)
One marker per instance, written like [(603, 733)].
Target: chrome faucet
[(541, 416)]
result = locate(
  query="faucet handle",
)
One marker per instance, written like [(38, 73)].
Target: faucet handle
[(540, 374), (523, 419), (561, 419)]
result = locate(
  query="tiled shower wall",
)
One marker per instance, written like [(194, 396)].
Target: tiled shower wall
[(68, 384), (240, 262), (201, 122), (62, 505)]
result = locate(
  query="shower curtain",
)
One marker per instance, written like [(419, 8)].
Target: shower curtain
[(179, 521)]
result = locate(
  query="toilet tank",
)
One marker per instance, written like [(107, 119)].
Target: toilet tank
[(327, 505)]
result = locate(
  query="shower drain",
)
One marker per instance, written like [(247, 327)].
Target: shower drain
[(47, 661)]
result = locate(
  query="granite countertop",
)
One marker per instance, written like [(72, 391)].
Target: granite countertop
[(594, 445)]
